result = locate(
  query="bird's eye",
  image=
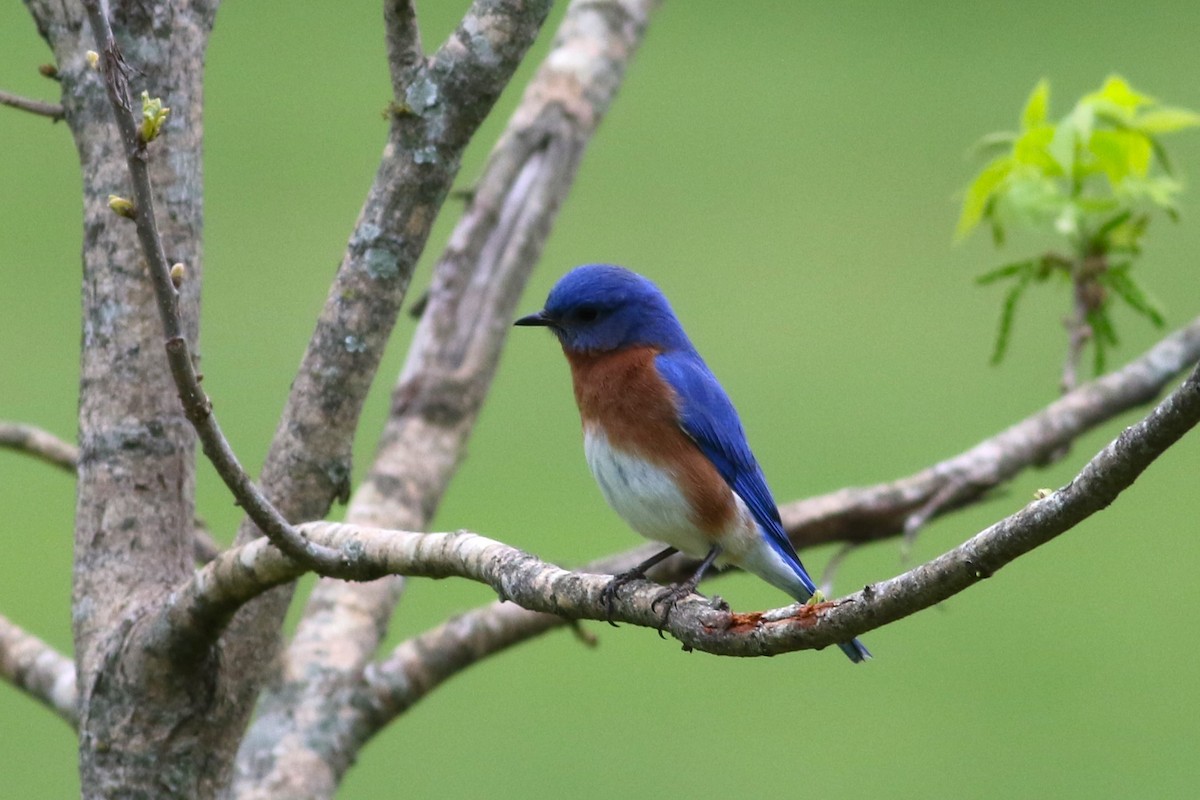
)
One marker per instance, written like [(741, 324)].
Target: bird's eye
[(587, 313)]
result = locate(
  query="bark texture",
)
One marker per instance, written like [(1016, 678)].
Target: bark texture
[(142, 725)]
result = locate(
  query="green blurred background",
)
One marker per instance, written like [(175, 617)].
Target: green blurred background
[(788, 173)]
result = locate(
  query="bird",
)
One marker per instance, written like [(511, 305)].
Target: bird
[(662, 438)]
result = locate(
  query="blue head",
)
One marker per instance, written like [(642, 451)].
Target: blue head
[(600, 308)]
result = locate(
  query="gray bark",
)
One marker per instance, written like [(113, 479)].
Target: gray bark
[(142, 727)]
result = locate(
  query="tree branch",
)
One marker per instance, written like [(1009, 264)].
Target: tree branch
[(850, 515), (477, 283), (1109, 473), (62, 454), (39, 670), (403, 37), (308, 464), (39, 443), (52, 110), (196, 405), (876, 512), (540, 586), (420, 664)]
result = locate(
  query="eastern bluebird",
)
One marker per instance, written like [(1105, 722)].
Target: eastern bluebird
[(661, 436)]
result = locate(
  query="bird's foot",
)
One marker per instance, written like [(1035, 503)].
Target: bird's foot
[(668, 597), (609, 593)]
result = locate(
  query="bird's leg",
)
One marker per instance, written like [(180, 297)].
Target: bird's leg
[(609, 594), (673, 594)]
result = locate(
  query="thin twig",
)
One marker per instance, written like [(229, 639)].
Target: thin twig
[(1079, 333), (51, 449), (39, 443), (38, 669), (40, 107), (403, 37), (196, 404)]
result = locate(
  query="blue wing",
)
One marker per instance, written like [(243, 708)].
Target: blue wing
[(708, 417)]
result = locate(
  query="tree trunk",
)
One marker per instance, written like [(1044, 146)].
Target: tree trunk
[(144, 727)]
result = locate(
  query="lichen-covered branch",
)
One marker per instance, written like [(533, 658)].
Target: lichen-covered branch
[(308, 464), (476, 286), (534, 584), (38, 669), (39, 443), (873, 512)]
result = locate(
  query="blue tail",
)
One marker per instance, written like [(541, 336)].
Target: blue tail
[(855, 650)]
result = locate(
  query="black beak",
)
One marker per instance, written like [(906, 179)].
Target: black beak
[(539, 319)]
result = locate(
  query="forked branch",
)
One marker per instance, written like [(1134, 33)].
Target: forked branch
[(197, 407)]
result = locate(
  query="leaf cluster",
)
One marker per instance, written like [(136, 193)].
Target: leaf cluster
[(1092, 179)]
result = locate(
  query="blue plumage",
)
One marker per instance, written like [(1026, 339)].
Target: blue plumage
[(640, 382), (708, 417)]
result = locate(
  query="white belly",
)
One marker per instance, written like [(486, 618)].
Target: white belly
[(647, 498), (644, 495)]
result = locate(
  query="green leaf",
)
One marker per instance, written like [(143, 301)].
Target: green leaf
[(993, 144), (1161, 191), (1007, 313), (1069, 136), (1032, 148), (1036, 106), (1033, 198), (1160, 153), (1167, 120), (1121, 153), (979, 193), (1111, 224), (1102, 326), (1117, 92), (154, 116), (1098, 205), (1125, 237), (1006, 271), (1123, 285)]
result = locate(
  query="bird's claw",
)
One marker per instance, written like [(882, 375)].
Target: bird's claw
[(609, 593), (668, 597)]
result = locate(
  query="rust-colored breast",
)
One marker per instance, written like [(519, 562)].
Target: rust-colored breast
[(623, 395)]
